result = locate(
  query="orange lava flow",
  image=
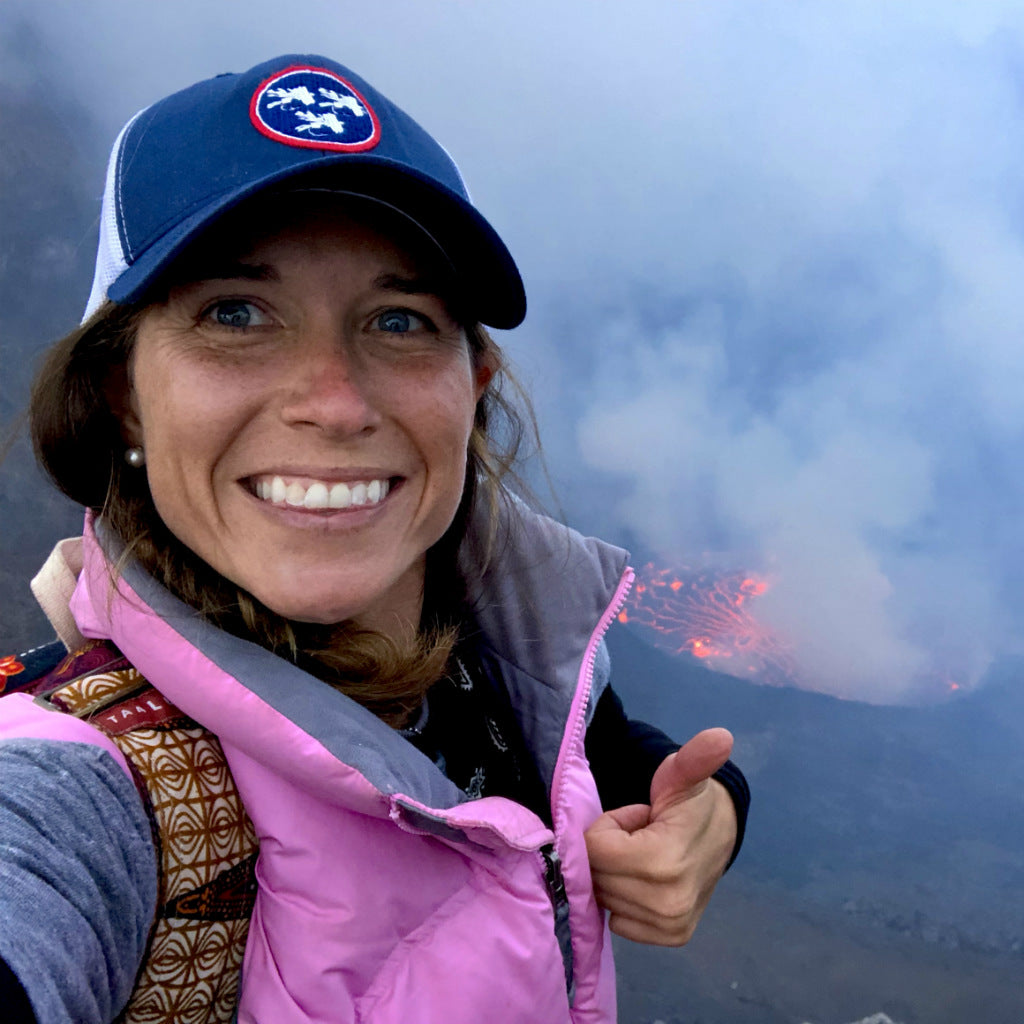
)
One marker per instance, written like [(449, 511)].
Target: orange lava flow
[(707, 615)]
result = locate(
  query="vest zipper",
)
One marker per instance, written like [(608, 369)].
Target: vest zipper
[(552, 862), (555, 884)]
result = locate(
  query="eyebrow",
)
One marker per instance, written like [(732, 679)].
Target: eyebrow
[(234, 271), (231, 271), (408, 285)]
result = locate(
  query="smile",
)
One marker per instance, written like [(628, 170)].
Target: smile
[(319, 494)]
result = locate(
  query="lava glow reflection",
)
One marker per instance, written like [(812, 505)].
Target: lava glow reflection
[(708, 615)]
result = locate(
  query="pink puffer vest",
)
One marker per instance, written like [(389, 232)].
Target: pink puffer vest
[(384, 895)]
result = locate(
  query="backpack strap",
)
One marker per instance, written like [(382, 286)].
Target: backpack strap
[(206, 845), (19, 671)]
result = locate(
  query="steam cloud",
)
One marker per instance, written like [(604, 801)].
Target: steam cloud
[(774, 254), (825, 379)]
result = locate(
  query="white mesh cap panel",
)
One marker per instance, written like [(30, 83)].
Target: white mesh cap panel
[(458, 171), (111, 260)]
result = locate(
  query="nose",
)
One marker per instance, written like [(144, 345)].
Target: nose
[(329, 389)]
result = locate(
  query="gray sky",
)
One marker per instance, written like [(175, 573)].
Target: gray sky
[(773, 252)]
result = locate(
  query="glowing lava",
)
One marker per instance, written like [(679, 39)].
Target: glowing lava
[(707, 615), (711, 615)]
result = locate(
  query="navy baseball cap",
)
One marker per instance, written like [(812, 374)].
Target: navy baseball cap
[(180, 164)]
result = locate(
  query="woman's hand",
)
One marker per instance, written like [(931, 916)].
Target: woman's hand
[(654, 867)]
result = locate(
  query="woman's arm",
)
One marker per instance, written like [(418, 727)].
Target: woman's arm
[(77, 879), (672, 826), (624, 754)]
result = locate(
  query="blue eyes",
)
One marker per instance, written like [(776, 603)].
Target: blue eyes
[(400, 321), (241, 315), (235, 313)]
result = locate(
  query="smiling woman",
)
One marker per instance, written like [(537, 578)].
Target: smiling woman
[(314, 370), (336, 731)]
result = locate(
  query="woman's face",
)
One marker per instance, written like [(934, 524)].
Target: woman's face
[(305, 408)]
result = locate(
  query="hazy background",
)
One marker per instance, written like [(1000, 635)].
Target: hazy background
[(773, 252)]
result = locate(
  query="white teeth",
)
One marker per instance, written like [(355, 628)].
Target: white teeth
[(340, 497), (320, 494), (316, 496)]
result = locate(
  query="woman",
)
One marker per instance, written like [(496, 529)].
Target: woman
[(306, 615)]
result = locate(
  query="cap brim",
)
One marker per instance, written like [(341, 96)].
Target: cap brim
[(488, 279)]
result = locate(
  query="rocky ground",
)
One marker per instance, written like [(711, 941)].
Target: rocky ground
[(761, 958), (883, 870)]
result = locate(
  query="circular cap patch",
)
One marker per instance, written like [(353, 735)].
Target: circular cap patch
[(314, 108)]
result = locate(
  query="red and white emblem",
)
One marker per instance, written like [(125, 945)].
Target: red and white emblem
[(316, 109)]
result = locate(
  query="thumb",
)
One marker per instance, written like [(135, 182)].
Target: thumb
[(685, 773)]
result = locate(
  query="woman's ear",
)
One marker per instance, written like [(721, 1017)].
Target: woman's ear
[(485, 370), (120, 396)]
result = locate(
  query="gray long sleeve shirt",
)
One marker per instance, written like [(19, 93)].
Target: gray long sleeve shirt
[(76, 906)]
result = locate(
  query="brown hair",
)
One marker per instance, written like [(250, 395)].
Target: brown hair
[(78, 440)]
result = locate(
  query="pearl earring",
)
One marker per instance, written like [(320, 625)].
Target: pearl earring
[(135, 457)]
